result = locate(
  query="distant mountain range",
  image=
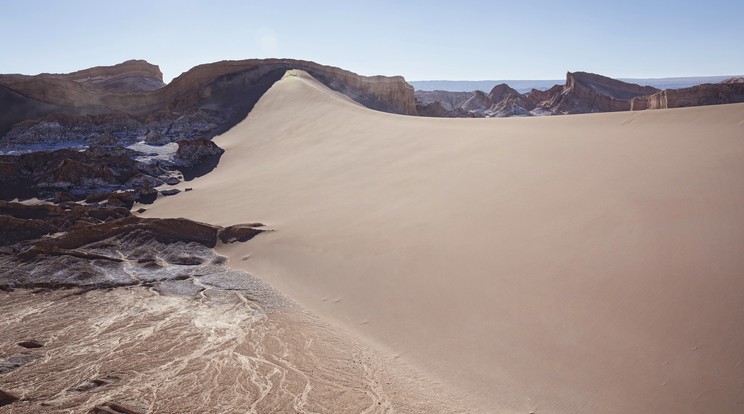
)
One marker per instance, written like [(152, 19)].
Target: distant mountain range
[(523, 86), (581, 92)]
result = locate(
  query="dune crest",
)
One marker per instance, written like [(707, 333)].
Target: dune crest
[(588, 263)]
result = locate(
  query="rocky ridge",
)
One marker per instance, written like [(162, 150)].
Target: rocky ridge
[(133, 132), (582, 93), (129, 76), (202, 102), (96, 247), (735, 79), (729, 91)]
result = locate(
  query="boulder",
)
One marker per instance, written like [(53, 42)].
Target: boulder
[(240, 232), (197, 157), (170, 192), (195, 152)]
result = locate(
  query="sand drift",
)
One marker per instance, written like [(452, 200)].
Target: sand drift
[(587, 263)]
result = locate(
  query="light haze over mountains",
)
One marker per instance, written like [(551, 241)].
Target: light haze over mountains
[(525, 85)]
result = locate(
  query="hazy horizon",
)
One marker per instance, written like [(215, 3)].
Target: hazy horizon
[(429, 41)]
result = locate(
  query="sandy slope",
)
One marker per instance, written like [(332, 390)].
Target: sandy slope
[(589, 263)]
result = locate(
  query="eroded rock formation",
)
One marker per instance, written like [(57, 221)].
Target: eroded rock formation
[(203, 102), (478, 102), (129, 76), (582, 93), (449, 101), (728, 91), (735, 79), (134, 132), (72, 245), (588, 92), (123, 118)]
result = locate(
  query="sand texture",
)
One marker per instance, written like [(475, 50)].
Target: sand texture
[(131, 350), (581, 263)]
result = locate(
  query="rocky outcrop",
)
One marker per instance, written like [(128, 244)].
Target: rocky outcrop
[(65, 131), (197, 157), (92, 91), (222, 92), (478, 102), (104, 172), (7, 398), (449, 101), (21, 222), (433, 109), (76, 174), (79, 225), (729, 91), (506, 102), (502, 92), (588, 92), (129, 76), (735, 79), (500, 102), (92, 247)]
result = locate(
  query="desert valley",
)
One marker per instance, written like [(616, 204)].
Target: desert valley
[(278, 235)]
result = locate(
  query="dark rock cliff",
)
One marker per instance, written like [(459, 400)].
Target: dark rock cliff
[(707, 94), (588, 92)]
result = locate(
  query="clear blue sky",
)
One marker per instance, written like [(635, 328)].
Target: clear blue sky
[(417, 39)]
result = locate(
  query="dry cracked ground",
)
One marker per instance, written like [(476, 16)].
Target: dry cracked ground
[(133, 350)]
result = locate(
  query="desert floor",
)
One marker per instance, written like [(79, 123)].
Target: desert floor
[(583, 263)]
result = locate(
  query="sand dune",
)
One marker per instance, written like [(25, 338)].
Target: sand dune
[(588, 263)]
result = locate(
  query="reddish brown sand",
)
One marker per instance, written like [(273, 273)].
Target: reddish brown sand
[(587, 263)]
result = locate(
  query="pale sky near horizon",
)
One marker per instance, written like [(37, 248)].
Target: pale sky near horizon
[(420, 40)]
